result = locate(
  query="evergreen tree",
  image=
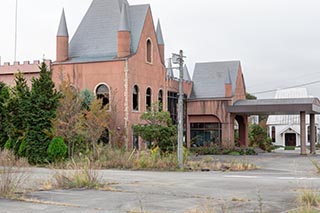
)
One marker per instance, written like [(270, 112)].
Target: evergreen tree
[(17, 112), (4, 96), (44, 100)]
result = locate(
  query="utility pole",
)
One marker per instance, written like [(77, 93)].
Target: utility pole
[(180, 112), (16, 32), (179, 59)]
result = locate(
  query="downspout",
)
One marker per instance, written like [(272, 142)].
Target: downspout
[(126, 103)]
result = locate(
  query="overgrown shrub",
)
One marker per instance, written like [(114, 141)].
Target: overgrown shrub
[(157, 128), (80, 176), (57, 149), (259, 138)]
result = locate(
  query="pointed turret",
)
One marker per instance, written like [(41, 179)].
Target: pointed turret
[(228, 85), (160, 41), (186, 75), (62, 40), (169, 69), (124, 35)]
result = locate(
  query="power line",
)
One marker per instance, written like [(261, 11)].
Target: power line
[(299, 85)]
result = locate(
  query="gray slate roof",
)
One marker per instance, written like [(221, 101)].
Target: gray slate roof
[(159, 34), (124, 22), (96, 36), (186, 75), (63, 29), (170, 69), (209, 79)]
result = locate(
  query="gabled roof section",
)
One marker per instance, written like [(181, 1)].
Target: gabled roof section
[(159, 34), (209, 79), (186, 75), (63, 29), (96, 36), (287, 119), (124, 22), (170, 69)]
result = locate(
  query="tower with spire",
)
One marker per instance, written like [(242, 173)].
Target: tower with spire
[(62, 51)]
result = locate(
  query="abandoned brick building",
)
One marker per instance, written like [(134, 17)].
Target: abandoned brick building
[(118, 53)]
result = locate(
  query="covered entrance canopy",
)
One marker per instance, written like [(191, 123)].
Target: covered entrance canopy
[(287, 106)]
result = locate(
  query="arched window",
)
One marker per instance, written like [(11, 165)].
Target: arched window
[(273, 134), (148, 99), (135, 98), (149, 51), (160, 100), (102, 92)]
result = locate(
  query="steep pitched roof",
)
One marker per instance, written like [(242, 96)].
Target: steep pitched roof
[(186, 75), (63, 29), (159, 34), (209, 79), (96, 36), (170, 69)]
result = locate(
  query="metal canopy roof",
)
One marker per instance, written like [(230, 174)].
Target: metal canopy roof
[(285, 106)]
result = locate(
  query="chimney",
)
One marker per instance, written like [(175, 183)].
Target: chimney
[(124, 35)]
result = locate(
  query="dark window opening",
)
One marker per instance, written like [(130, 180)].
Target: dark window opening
[(105, 137), (149, 51), (102, 92), (205, 134), (148, 99), (135, 98), (172, 106), (273, 134), (136, 142), (160, 100)]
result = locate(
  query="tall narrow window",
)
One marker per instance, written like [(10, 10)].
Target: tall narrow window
[(135, 98), (160, 100), (273, 134), (148, 99), (149, 51), (102, 92)]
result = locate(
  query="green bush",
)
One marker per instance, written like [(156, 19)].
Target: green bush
[(259, 138), (57, 149), (289, 148), (206, 150), (9, 144)]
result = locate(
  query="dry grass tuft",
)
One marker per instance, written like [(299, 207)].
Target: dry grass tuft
[(83, 176), (309, 198), (13, 173)]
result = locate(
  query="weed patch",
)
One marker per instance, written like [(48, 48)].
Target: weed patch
[(13, 173)]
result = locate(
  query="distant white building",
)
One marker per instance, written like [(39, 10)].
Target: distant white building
[(285, 129)]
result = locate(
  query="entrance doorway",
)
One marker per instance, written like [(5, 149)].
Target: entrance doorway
[(290, 139)]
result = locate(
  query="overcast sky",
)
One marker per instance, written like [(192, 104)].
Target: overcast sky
[(277, 41)]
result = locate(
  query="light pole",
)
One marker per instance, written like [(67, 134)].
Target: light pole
[(178, 59)]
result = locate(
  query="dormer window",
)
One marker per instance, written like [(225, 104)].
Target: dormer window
[(149, 51)]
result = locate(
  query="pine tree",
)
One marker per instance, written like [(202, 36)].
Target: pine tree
[(4, 96), (44, 100), (17, 112)]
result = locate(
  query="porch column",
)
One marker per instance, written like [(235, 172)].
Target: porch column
[(303, 133), (312, 135)]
